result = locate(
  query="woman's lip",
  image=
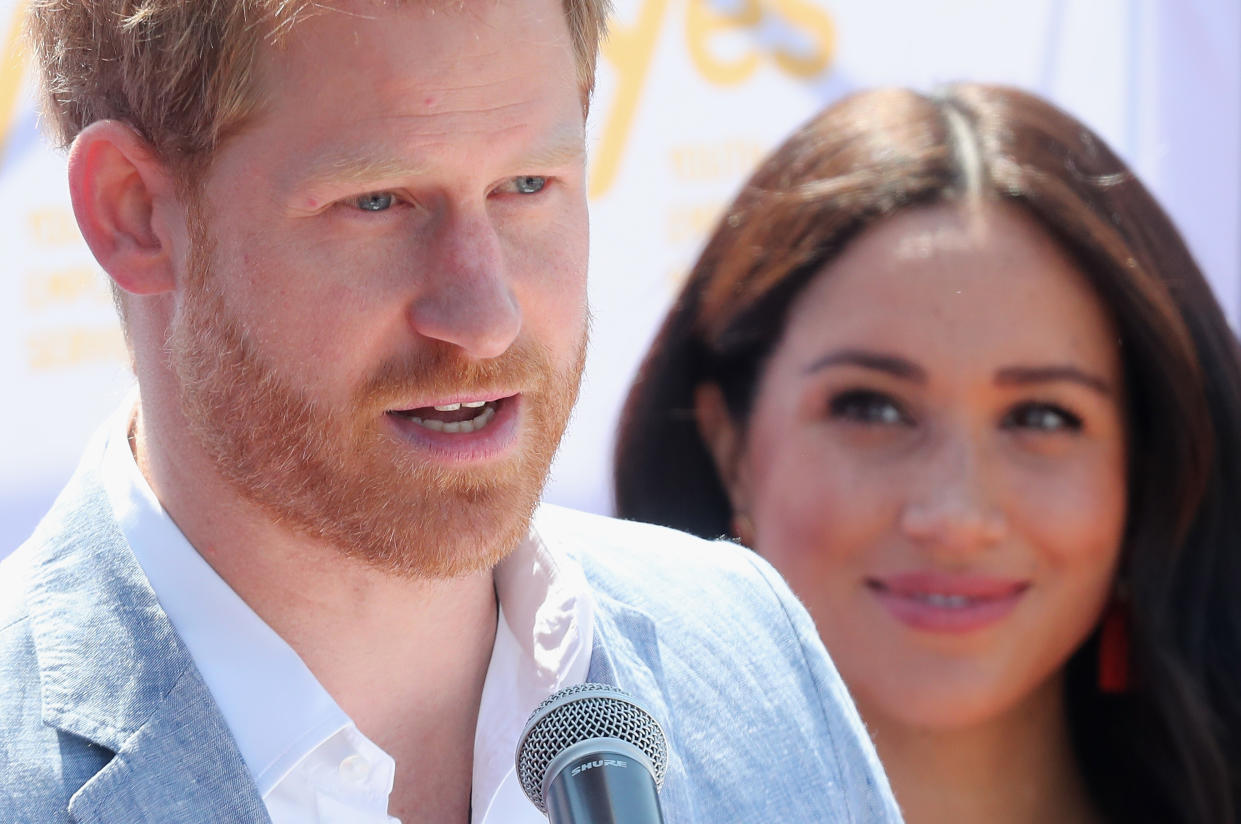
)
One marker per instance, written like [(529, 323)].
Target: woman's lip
[(947, 603), (970, 585)]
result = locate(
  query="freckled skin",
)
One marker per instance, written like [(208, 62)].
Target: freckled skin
[(955, 487)]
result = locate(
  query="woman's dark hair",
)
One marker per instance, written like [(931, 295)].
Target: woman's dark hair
[(1169, 750)]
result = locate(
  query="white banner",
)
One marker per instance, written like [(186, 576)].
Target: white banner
[(691, 94)]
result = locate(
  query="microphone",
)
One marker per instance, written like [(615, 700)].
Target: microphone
[(591, 754)]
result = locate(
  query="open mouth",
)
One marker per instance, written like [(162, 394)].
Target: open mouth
[(460, 417)]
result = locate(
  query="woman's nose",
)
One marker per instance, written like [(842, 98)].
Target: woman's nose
[(953, 506)]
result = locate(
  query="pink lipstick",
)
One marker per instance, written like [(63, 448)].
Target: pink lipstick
[(947, 602)]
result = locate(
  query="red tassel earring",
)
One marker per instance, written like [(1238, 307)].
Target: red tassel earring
[(1114, 665)]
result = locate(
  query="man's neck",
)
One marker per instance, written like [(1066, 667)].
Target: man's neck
[(1017, 768), (404, 658)]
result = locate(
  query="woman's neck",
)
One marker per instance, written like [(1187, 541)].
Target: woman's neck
[(1017, 768)]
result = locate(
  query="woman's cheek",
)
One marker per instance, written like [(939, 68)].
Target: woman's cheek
[(819, 514), (1076, 516)]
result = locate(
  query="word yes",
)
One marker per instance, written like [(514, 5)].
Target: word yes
[(630, 51)]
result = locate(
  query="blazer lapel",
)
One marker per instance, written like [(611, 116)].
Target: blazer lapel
[(181, 766), (626, 655), (114, 672)]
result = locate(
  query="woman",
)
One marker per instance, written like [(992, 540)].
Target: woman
[(948, 365)]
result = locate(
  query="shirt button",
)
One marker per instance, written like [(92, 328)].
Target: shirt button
[(355, 769)]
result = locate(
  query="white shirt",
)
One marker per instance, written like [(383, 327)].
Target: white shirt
[(310, 762)]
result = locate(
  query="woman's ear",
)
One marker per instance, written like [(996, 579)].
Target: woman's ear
[(725, 441), (118, 186)]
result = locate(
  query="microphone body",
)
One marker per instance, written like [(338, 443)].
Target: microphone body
[(602, 781), (590, 754)]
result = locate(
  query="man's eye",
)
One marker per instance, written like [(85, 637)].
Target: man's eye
[(863, 406), (375, 201), (1042, 417), (529, 184)]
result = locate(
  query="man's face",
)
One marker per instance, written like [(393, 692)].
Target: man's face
[(401, 227)]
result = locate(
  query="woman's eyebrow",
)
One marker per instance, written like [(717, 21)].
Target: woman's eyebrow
[(890, 364), (1024, 375)]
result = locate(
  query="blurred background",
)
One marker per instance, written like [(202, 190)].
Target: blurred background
[(691, 94)]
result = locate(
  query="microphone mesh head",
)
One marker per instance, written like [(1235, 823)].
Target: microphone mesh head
[(580, 713)]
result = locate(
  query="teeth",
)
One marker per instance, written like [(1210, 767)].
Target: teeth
[(456, 427), (937, 599), (453, 407)]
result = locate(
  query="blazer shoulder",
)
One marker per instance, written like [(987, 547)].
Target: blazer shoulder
[(730, 635), (708, 601), (642, 562)]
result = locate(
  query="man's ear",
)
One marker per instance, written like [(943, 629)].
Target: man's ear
[(724, 440), (118, 187)]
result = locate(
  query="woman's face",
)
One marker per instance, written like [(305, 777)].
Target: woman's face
[(936, 462)]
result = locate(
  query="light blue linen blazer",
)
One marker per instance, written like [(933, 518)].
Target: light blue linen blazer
[(105, 718)]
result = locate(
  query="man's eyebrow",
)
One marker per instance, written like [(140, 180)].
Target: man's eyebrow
[(1024, 375), (362, 168), (891, 364), (565, 149)]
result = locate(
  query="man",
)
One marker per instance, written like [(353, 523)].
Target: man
[(299, 579)]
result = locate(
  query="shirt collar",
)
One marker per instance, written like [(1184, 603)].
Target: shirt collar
[(543, 644), (277, 710), (274, 706)]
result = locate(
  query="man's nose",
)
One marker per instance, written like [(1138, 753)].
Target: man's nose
[(952, 509), (465, 296)]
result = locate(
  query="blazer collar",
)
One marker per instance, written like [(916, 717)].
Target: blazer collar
[(113, 671)]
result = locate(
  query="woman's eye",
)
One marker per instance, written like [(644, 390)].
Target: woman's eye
[(529, 184), (375, 201), (1042, 417), (864, 406)]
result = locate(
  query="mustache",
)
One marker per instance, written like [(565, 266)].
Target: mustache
[(440, 369)]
